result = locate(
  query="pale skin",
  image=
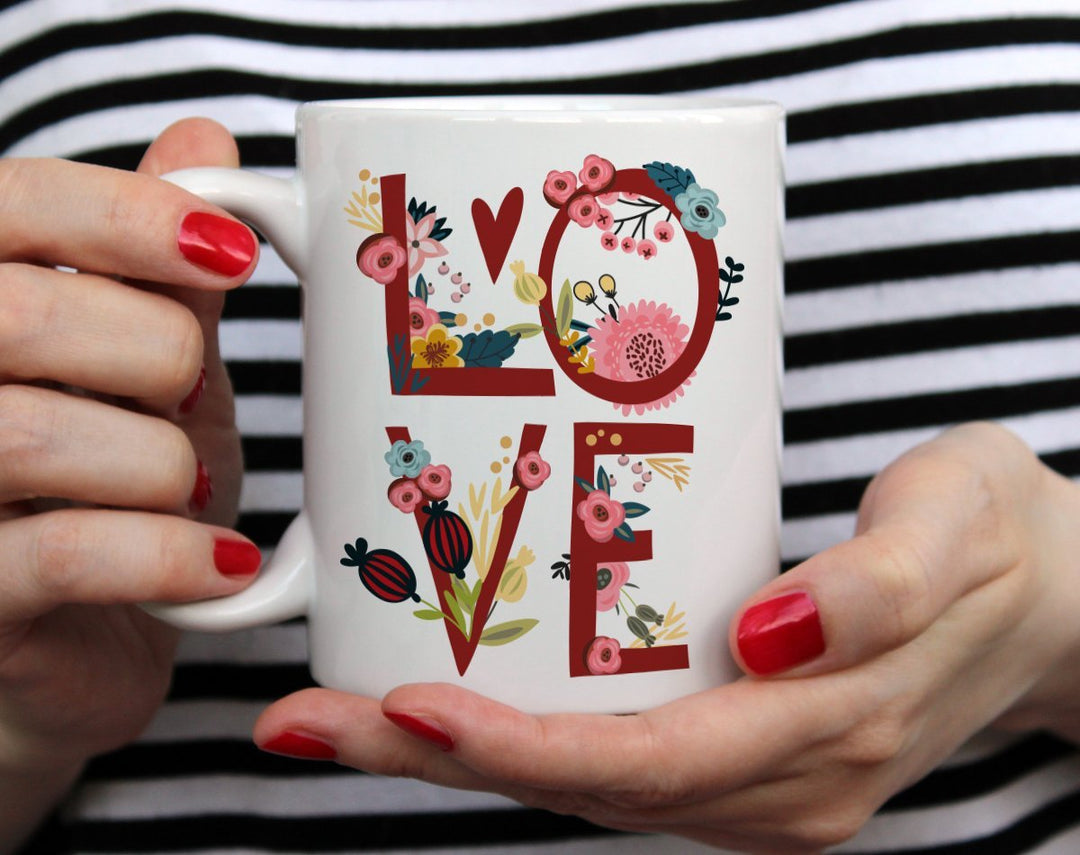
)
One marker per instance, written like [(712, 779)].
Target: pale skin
[(952, 608)]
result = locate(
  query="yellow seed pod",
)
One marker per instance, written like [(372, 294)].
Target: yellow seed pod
[(607, 284), (584, 291), (528, 287)]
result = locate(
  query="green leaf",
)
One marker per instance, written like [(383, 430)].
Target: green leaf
[(624, 532), (602, 480), (455, 610), (487, 349), (635, 509), (421, 288), (429, 614), (525, 330), (564, 312), (504, 633), (464, 595)]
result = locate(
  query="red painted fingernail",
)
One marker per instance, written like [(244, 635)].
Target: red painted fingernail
[(780, 633), (424, 728), (217, 243), (236, 557), (189, 403), (203, 491), (297, 745)]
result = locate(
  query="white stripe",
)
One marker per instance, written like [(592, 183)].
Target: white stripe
[(260, 646), (271, 491), (932, 371), (972, 218), (936, 297), (310, 796), (253, 340), (269, 415), (804, 537)]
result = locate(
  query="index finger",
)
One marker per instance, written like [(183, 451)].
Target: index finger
[(118, 223)]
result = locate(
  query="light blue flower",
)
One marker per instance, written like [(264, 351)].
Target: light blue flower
[(406, 459), (699, 211)]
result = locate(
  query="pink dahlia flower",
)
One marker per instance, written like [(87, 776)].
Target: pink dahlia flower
[(610, 578), (380, 257), (558, 187), (603, 656), (405, 495), (434, 481), (601, 515), (421, 317), (597, 173), (532, 470), (646, 341)]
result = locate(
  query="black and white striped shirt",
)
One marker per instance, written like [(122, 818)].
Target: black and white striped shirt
[(933, 276)]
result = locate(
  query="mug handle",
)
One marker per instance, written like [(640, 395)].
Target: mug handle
[(284, 586)]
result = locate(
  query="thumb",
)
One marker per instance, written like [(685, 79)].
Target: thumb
[(939, 522)]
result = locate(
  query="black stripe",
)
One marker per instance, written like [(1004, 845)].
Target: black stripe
[(679, 78), (802, 351), (265, 528), (376, 832), (256, 682), (938, 409), (265, 377), (907, 188), (943, 259), (273, 453), (263, 302), (561, 30)]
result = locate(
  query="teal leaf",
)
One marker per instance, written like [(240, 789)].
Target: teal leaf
[(624, 532), (672, 179), (635, 509), (420, 292), (487, 349), (602, 480), (585, 485), (448, 319)]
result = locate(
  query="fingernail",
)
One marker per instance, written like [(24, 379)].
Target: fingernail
[(236, 557), (203, 491), (189, 403), (780, 633), (424, 728), (217, 243), (297, 745)]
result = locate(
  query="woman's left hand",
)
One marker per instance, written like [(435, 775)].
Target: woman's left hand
[(955, 605)]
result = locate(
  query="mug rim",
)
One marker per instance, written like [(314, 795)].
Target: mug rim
[(674, 106)]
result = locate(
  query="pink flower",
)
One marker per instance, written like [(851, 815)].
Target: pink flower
[(609, 581), (559, 187), (434, 481), (608, 198), (405, 495), (583, 210), (532, 470), (646, 249), (380, 257), (603, 656), (601, 515), (646, 341), (421, 317), (420, 246), (597, 174)]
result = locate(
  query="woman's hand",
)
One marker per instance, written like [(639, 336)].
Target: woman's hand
[(955, 605), (119, 457)]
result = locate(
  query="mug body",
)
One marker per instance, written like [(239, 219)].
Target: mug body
[(541, 392)]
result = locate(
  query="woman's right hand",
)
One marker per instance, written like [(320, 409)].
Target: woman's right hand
[(119, 456)]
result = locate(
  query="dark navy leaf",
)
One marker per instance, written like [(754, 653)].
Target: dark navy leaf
[(585, 485), (448, 319), (725, 276), (421, 288), (731, 301), (602, 480), (487, 349), (669, 178), (635, 509), (736, 278), (723, 316), (624, 532)]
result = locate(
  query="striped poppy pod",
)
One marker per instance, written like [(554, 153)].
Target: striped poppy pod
[(385, 573), (447, 540)]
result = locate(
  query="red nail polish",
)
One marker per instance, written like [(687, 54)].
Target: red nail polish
[(217, 243), (203, 491), (297, 745), (189, 403), (424, 728), (780, 633), (236, 557)]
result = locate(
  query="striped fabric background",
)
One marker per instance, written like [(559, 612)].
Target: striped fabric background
[(933, 255)]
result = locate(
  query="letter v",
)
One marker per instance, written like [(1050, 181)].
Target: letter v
[(465, 648)]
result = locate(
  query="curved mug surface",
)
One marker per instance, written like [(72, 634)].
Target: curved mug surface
[(541, 384)]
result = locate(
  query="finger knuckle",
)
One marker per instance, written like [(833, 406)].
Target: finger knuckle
[(902, 582), (170, 554), (878, 741), (22, 314), (176, 466), (181, 351), (825, 829), (26, 425), (61, 552)]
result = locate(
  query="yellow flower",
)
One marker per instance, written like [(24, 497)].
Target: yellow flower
[(514, 579), (437, 349)]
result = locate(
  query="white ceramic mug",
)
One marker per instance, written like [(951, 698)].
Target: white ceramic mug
[(541, 392)]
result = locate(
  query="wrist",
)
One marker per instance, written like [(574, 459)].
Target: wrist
[(29, 791)]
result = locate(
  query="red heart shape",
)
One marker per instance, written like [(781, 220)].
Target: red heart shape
[(496, 231)]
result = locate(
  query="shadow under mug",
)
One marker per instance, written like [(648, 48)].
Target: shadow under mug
[(541, 378)]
